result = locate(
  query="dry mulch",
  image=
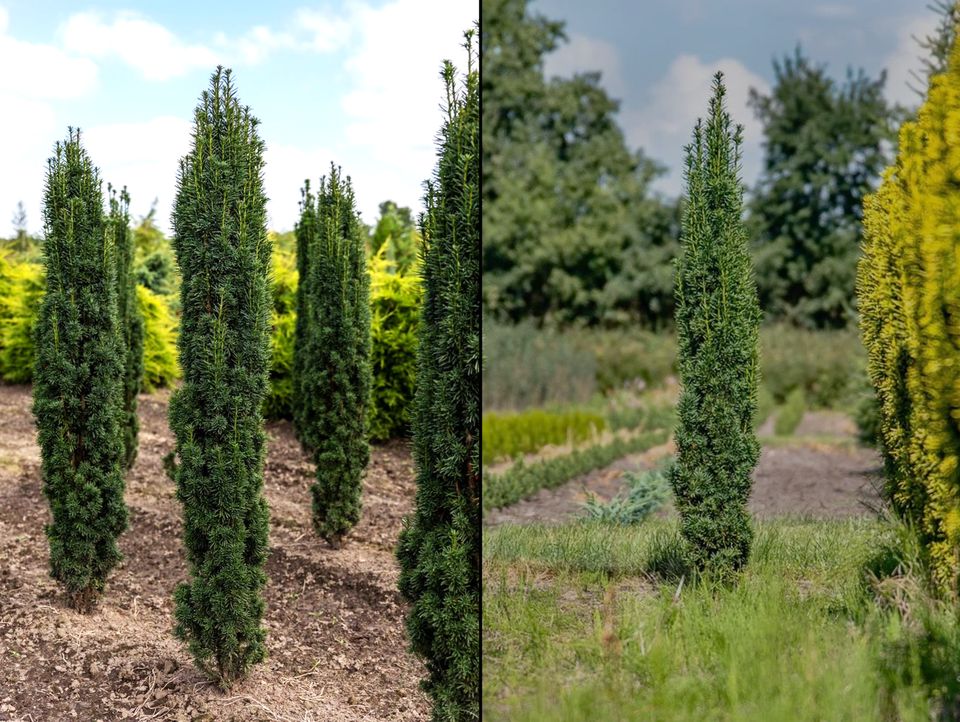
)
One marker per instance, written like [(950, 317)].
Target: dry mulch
[(337, 648)]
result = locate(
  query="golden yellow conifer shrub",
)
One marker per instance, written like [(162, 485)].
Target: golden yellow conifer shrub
[(908, 284)]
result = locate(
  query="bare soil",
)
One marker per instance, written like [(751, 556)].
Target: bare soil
[(337, 648), (822, 472)]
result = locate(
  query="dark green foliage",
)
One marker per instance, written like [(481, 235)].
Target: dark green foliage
[(825, 145), (129, 320), (523, 480), (717, 329), (571, 229), (332, 352), (223, 252), (439, 548), (77, 392)]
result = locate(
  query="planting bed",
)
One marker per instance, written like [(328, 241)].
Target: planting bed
[(337, 648)]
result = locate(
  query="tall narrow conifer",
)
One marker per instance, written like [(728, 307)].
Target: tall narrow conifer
[(332, 352), (223, 251), (129, 319), (77, 391), (439, 549), (718, 317)]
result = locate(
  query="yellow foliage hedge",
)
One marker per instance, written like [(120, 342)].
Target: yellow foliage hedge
[(909, 294)]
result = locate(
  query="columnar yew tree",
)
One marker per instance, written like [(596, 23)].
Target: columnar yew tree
[(332, 352), (129, 320), (439, 548), (223, 251), (909, 290), (717, 320), (78, 376)]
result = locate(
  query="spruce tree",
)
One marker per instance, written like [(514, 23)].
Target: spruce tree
[(77, 389), (332, 352), (439, 548), (717, 319), (223, 252), (129, 320)]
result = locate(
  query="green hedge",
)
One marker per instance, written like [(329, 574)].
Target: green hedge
[(21, 289), (505, 435), (523, 480)]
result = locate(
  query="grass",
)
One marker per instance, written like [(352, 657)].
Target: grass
[(589, 621)]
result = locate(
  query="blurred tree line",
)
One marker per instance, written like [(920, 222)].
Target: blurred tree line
[(574, 233)]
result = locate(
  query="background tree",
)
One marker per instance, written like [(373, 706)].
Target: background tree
[(825, 144), (333, 352), (571, 230), (718, 320), (439, 548), (223, 252), (129, 320), (396, 230), (936, 46), (77, 389), (21, 242)]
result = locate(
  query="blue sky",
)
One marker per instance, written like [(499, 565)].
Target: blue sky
[(355, 82), (657, 57)]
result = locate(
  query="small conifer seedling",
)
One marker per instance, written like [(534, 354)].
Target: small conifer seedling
[(332, 352), (223, 251), (718, 318), (439, 548), (77, 390)]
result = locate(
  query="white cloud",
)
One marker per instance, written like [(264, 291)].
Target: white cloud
[(905, 59), (584, 53), (141, 43), (328, 32), (663, 126), (35, 76), (393, 109), (143, 156), (285, 169)]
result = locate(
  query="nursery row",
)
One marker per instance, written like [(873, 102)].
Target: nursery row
[(313, 329)]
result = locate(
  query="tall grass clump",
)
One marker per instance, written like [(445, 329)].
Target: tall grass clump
[(718, 318)]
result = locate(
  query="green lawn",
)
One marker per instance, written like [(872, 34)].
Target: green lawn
[(591, 622)]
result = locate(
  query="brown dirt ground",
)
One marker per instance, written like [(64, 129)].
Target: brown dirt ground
[(337, 649), (821, 473)]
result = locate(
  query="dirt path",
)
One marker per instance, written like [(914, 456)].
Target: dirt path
[(337, 649), (822, 473)]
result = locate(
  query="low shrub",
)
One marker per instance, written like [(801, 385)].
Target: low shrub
[(160, 366), (765, 405), (283, 318), (629, 412), (523, 480), (395, 300), (790, 413), (21, 289), (627, 357), (647, 491), (505, 435)]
